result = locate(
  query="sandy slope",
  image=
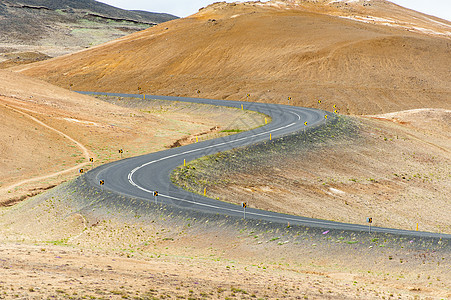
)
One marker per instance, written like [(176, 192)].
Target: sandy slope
[(306, 51)]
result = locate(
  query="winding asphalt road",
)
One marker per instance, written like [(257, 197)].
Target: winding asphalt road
[(141, 176)]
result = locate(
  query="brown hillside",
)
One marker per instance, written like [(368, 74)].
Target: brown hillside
[(366, 57)]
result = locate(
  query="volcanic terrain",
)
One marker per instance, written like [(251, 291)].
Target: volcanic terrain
[(370, 58), (367, 57)]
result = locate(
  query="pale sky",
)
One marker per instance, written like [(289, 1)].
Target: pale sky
[(183, 8)]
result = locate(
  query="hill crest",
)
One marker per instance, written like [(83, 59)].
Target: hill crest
[(273, 51)]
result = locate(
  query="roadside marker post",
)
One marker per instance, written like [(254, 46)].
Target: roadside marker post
[(197, 139), (369, 220), (155, 195), (244, 205), (144, 97), (102, 182), (248, 96), (184, 162), (270, 136), (305, 125), (417, 226), (289, 98), (81, 171), (92, 162), (205, 192), (121, 151), (266, 121), (242, 108)]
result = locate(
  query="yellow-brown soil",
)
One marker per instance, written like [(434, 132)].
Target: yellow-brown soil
[(378, 61)]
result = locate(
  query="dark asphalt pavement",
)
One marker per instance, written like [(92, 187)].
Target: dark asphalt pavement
[(141, 176)]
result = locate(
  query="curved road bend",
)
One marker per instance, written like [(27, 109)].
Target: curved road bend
[(141, 176)]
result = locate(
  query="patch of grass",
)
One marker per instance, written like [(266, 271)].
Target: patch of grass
[(62, 242), (220, 169), (237, 290)]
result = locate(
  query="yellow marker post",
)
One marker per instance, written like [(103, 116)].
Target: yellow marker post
[(197, 139), (144, 96), (242, 108), (244, 205), (184, 162), (205, 191), (417, 226), (266, 121), (270, 136)]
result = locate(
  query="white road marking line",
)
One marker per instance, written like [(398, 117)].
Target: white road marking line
[(130, 176)]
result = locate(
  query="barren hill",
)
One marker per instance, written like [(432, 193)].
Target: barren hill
[(59, 27), (367, 57)]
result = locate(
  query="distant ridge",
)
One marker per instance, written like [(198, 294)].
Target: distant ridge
[(90, 6), (57, 27)]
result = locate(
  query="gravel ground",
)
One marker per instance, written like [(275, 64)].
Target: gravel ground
[(76, 241)]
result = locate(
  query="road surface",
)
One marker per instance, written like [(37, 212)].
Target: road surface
[(142, 176)]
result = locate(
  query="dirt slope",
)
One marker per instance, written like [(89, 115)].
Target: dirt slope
[(366, 57)]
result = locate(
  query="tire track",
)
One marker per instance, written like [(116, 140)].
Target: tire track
[(85, 151)]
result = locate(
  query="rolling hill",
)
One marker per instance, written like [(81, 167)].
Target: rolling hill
[(366, 57)]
